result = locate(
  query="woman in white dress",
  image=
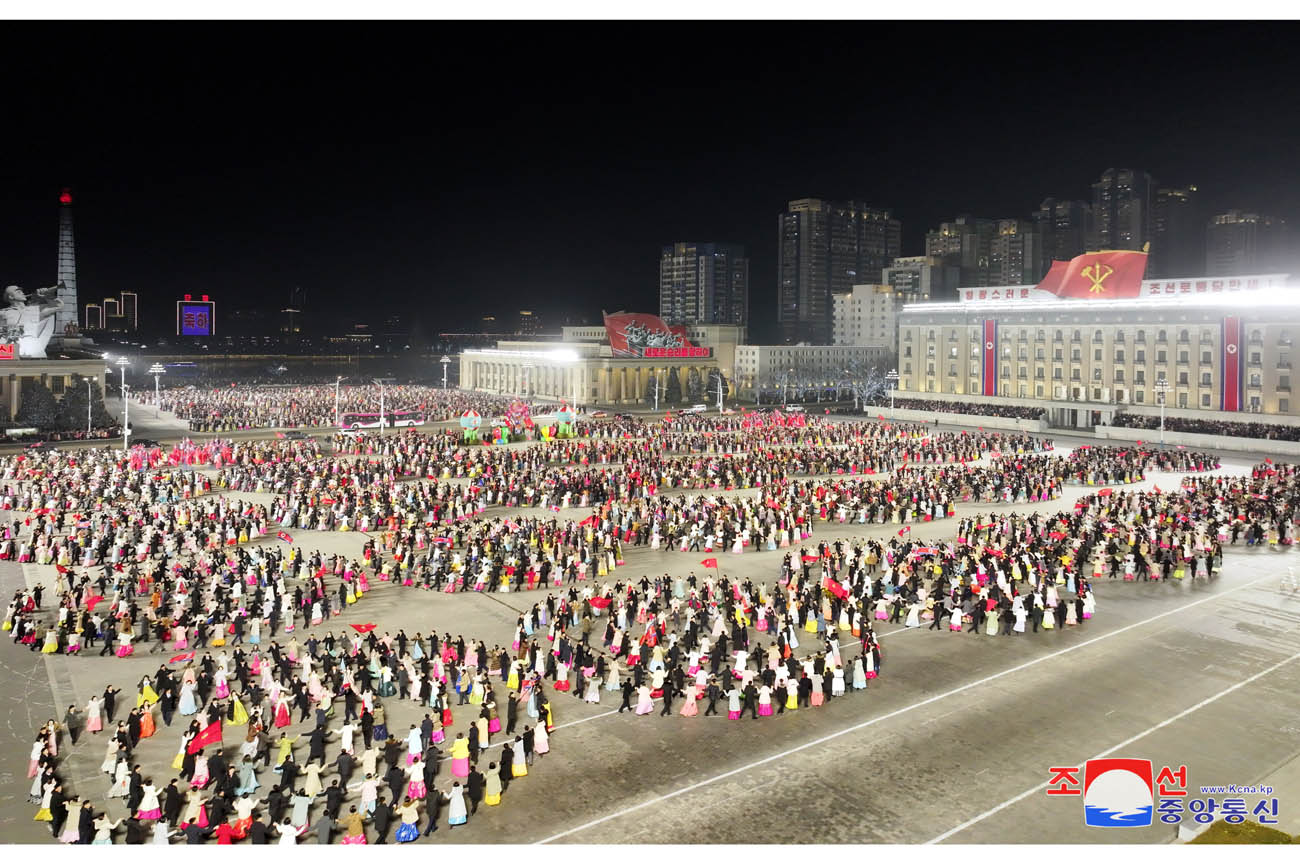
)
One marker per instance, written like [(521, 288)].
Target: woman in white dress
[(121, 780), (913, 615), (1018, 608)]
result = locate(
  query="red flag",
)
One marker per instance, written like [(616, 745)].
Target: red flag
[(1105, 491), (364, 628), (811, 558), (880, 417), (61, 569), (284, 536), (590, 521), (183, 657), (92, 601), (905, 530), (711, 562), (1157, 488), (206, 737), (837, 588), (439, 540), (1268, 459), (924, 551), (1110, 274)]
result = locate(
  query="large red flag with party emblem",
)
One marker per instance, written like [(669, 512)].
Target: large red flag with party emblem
[(711, 562), (1108, 274)]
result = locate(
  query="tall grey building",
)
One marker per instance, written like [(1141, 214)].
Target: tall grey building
[(1244, 243), (964, 244), (1063, 226), (1121, 210), (1015, 254), (824, 248), (704, 284), (1177, 235)]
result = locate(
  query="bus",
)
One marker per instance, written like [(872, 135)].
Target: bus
[(372, 420)]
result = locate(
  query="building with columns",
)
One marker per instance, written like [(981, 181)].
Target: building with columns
[(581, 367), (57, 375), (1221, 345)]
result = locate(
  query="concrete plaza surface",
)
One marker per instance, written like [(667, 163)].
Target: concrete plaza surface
[(952, 743)]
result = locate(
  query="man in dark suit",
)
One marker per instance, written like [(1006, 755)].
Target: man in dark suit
[(396, 780), (512, 713), (474, 788), (383, 819), (257, 831), (712, 709), (628, 688)]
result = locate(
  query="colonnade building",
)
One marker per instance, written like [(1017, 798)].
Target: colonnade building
[(584, 367)]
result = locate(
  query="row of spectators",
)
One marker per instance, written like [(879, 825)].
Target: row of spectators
[(1240, 429), (962, 408), (104, 433)]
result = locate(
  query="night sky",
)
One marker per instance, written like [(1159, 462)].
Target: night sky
[(448, 170)]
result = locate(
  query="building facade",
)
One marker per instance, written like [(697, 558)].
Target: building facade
[(1237, 242), (1221, 345), (963, 244), (868, 315), (59, 376), (580, 367), (704, 284), (120, 315), (1063, 227), (1121, 210), (1015, 254), (1177, 235), (765, 367), (825, 247), (922, 278)]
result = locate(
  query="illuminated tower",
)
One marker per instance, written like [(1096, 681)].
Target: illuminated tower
[(67, 281)]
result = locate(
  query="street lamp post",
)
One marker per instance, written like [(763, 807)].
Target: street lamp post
[(157, 370), (1162, 388), (444, 360), (88, 401), (892, 378), (126, 406), (337, 380)]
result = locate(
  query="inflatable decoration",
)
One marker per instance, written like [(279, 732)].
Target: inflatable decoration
[(469, 423)]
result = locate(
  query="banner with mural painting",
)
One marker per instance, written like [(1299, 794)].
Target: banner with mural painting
[(642, 335)]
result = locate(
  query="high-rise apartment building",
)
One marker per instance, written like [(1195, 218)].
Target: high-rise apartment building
[(1177, 235), (704, 284), (827, 247), (1063, 226), (1244, 243), (868, 315), (963, 243), (118, 315), (916, 278), (1121, 210), (1015, 254)]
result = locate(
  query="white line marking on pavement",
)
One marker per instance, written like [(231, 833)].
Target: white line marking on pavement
[(1113, 749), (862, 725)]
